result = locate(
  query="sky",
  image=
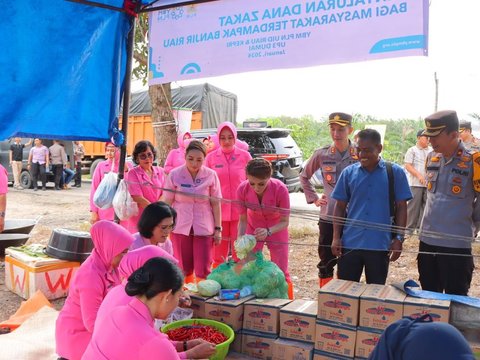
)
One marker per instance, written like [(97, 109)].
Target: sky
[(386, 89)]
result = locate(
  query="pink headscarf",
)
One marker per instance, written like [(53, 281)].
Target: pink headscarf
[(136, 258), (238, 143), (182, 144), (109, 240)]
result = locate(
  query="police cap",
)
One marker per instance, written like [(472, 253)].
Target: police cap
[(340, 118), (439, 121)]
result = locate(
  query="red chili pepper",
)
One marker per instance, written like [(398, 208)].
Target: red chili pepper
[(197, 331)]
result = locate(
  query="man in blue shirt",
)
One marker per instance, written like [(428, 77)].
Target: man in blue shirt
[(362, 235)]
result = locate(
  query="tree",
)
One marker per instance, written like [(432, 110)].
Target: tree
[(160, 95)]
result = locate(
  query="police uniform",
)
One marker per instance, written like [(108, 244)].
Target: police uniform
[(451, 214), (474, 144), (331, 162)]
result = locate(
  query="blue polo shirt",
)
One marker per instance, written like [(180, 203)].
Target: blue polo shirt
[(368, 202)]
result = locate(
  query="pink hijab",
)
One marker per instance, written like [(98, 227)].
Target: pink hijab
[(182, 144), (238, 143), (109, 240), (136, 258)]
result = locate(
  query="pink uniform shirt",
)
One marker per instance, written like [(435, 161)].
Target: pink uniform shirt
[(127, 332), (141, 184), (3, 180), (193, 211), (230, 169), (93, 280), (265, 214), (139, 241), (100, 171), (176, 157)]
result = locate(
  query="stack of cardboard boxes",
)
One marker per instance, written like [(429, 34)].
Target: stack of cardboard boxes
[(352, 316), (345, 323)]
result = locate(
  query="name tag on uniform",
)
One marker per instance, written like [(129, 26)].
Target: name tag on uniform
[(186, 185), (219, 166)]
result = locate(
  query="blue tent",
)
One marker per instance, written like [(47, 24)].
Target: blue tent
[(63, 66)]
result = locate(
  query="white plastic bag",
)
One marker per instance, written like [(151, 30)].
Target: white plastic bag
[(105, 192), (123, 203)]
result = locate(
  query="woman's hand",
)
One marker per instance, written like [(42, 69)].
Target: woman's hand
[(202, 350), (260, 234), (93, 217), (217, 237)]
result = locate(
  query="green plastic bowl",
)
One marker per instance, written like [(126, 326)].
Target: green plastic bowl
[(222, 349)]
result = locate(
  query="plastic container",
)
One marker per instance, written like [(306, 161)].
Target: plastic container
[(222, 349)]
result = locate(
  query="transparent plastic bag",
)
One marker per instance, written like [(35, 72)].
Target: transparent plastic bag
[(265, 277), (123, 203), (105, 192), (243, 245), (226, 275)]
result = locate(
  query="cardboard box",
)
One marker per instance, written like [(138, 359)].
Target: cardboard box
[(366, 341), (258, 345), (297, 320), (439, 310), (263, 315), (229, 312), (380, 305), (292, 350), (51, 276), (236, 345), (320, 355), (339, 301), (198, 304), (332, 339)]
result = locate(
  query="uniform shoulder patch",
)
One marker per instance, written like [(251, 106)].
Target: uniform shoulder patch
[(476, 171)]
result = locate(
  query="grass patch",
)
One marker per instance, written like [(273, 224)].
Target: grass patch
[(300, 231)]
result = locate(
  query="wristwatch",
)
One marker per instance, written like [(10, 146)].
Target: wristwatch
[(269, 232), (218, 228), (399, 237), (2, 214)]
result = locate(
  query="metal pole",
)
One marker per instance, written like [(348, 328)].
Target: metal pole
[(436, 90), (126, 103)]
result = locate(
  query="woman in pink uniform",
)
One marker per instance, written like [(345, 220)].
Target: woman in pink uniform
[(111, 164), (95, 277), (229, 162), (176, 157), (154, 227), (196, 190), (266, 213), (144, 181), (127, 332)]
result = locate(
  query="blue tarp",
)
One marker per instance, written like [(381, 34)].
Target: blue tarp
[(62, 66)]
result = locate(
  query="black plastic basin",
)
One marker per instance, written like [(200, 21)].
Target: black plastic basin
[(69, 245)]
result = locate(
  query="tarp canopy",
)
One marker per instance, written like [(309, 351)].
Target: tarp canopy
[(63, 67), (216, 105)]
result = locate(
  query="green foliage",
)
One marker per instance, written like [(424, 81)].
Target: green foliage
[(311, 134)]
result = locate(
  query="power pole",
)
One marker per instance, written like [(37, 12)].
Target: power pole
[(436, 90)]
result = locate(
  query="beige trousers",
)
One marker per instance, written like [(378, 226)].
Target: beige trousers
[(16, 169)]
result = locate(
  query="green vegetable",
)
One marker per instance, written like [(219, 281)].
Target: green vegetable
[(244, 245), (208, 287), (35, 250)]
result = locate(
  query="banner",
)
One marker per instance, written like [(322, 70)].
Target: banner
[(232, 36)]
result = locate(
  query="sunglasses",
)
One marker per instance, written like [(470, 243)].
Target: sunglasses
[(167, 227), (146, 156)]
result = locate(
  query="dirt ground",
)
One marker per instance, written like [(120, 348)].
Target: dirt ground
[(69, 209)]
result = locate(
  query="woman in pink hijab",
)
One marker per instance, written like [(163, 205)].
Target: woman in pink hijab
[(229, 162), (176, 157), (112, 154), (95, 277), (127, 331)]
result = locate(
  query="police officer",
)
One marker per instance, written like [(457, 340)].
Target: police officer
[(469, 141), (331, 160), (452, 214)]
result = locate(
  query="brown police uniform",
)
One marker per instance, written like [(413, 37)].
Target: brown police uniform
[(331, 162), (451, 214)]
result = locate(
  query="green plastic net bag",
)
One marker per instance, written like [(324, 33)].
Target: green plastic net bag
[(226, 275), (265, 277)]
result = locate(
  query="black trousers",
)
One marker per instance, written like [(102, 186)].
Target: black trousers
[(78, 173), (352, 263), (38, 170), (57, 170), (445, 273), (327, 260)]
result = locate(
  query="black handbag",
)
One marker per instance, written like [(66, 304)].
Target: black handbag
[(391, 195)]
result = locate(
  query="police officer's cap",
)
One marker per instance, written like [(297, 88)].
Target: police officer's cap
[(465, 125), (439, 121), (340, 118)]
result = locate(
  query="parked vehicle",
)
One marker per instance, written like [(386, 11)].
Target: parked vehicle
[(273, 144)]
